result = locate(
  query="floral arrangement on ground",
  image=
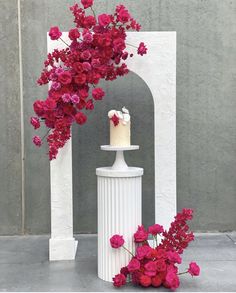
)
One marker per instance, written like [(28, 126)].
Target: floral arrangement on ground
[(97, 51), (157, 266)]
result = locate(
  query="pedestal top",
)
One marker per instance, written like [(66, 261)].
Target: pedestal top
[(119, 148), (128, 172)]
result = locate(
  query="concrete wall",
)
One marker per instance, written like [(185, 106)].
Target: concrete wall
[(206, 108)]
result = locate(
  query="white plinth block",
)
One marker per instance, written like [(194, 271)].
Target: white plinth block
[(62, 245), (119, 212)]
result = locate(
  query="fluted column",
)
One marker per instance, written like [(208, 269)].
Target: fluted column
[(119, 212)]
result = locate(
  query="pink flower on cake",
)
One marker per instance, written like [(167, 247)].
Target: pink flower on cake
[(119, 280), (194, 269), (141, 234), (116, 241), (142, 49), (35, 122), (55, 33), (89, 105), (37, 140), (115, 120), (155, 229)]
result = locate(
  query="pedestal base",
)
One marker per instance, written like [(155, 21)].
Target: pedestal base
[(62, 249), (119, 212)]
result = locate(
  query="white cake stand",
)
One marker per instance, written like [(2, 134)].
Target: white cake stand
[(119, 163), (119, 189)]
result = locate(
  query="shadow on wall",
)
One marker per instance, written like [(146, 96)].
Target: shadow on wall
[(133, 93)]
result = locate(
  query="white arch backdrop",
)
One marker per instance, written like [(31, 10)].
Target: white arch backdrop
[(158, 70)]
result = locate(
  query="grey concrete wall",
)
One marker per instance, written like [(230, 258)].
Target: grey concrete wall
[(206, 108), (10, 126)]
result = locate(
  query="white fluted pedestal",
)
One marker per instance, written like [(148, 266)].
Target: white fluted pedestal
[(119, 211)]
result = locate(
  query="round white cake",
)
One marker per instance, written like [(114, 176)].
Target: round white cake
[(119, 127)]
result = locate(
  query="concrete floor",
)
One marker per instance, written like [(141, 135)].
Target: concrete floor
[(24, 266)]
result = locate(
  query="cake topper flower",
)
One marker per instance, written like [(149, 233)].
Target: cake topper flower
[(97, 50)]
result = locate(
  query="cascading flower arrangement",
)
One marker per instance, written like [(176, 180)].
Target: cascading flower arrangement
[(97, 51), (157, 266)]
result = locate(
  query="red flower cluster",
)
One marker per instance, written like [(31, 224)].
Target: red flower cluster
[(156, 266), (97, 51)]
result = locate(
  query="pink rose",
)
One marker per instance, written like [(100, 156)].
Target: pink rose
[(156, 281), (87, 3), (98, 93), (35, 122), (104, 19), (83, 93), (124, 271), (150, 269), (39, 107), (56, 85), (80, 79), (75, 99), (172, 280), (145, 281), (55, 33), (119, 280), (155, 229), (86, 66), (96, 63), (142, 49), (78, 67), (194, 269), (133, 265), (174, 257), (37, 140), (50, 104), (80, 118), (161, 265), (66, 98), (86, 55), (88, 37), (89, 105), (116, 241), (65, 77), (74, 34), (142, 251), (141, 234)]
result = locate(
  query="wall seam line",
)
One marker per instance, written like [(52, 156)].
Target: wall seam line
[(22, 122)]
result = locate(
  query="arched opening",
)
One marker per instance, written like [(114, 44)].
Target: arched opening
[(133, 93)]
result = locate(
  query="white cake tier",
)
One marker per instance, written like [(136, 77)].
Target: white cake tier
[(120, 134)]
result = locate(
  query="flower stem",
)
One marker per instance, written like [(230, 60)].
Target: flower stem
[(93, 12), (46, 134), (182, 273), (128, 250), (64, 42), (132, 45)]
